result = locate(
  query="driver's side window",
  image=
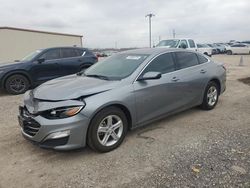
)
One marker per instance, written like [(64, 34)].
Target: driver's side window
[(51, 54), (163, 64)]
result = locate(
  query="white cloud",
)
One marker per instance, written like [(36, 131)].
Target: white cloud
[(102, 23)]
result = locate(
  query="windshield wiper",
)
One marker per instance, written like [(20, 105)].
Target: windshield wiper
[(97, 76)]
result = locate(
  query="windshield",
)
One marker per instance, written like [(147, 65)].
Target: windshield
[(31, 55), (116, 67), (169, 43)]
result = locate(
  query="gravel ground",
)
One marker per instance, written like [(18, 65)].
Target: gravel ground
[(194, 148)]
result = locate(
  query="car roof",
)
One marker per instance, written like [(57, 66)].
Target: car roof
[(154, 51), (178, 39), (61, 47)]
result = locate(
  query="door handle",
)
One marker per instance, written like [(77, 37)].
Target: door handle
[(175, 79), (203, 71)]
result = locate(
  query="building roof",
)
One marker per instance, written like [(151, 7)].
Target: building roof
[(36, 31)]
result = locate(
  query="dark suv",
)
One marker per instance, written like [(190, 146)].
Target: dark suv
[(43, 65)]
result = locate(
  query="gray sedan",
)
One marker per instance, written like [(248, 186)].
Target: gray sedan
[(125, 91)]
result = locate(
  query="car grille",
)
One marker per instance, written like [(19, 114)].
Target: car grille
[(30, 126)]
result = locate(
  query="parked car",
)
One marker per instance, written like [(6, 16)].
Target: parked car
[(101, 54), (178, 43), (221, 48), (215, 50), (43, 65), (205, 49), (238, 49), (246, 42), (125, 91)]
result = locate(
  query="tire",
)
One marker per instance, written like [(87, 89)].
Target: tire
[(211, 96), (17, 84), (104, 140), (206, 53), (229, 52)]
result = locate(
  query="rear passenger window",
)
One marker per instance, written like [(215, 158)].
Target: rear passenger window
[(79, 52), (186, 59), (89, 53), (202, 59), (191, 43), (66, 53), (163, 64)]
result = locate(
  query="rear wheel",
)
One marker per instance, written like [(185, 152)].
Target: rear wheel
[(211, 96), (107, 129), (17, 84)]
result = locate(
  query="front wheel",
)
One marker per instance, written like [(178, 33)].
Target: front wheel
[(211, 96), (17, 84), (229, 52), (107, 129)]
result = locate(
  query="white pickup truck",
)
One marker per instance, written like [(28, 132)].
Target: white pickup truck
[(185, 43)]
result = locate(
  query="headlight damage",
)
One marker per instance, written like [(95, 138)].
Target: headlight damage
[(62, 112)]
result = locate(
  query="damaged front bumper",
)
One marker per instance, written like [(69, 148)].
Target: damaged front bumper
[(60, 134)]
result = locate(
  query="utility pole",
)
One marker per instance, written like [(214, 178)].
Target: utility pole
[(174, 33), (149, 20)]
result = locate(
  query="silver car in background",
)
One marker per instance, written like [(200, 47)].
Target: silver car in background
[(123, 92)]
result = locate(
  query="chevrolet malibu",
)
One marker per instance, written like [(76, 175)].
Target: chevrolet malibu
[(125, 91)]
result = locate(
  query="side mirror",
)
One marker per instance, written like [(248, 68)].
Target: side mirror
[(40, 60), (150, 76)]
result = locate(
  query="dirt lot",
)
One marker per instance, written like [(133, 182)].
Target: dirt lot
[(194, 148)]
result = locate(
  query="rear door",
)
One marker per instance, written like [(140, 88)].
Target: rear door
[(236, 48), (71, 61), (190, 78), (244, 49)]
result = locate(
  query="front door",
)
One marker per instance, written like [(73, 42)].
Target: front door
[(49, 68), (157, 97)]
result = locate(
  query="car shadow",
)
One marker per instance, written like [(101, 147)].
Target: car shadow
[(158, 123), (3, 93), (137, 132)]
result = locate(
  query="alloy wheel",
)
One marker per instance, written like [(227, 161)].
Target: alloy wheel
[(17, 85), (110, 130), (212, 96)]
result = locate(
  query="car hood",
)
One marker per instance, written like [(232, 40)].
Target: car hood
[(72, 87), (11, 64)]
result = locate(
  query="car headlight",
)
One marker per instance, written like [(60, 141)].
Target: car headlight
[(63, 112)]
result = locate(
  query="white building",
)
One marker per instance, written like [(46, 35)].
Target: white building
[(15, 43)]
